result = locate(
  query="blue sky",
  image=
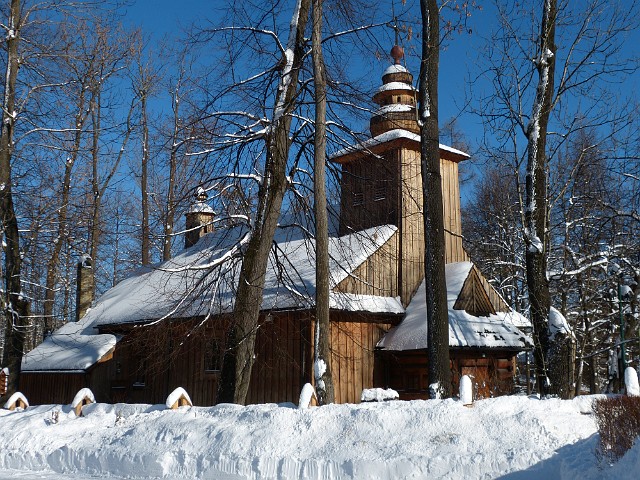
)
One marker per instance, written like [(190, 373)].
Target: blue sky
[(458, 61)]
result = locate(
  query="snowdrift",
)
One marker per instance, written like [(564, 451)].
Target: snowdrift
[(508, 437)]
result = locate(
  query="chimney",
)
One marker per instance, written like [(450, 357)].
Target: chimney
[(84, 286), (199, 219)]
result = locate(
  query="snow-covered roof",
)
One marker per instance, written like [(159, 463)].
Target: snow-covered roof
[(201, 207), (393, 107), (201, 280), (385, 87), (74, 346), (389, 136), (465, 330), (395, 68)]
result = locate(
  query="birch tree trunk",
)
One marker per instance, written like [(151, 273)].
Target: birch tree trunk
[(322, 368), (238, 358), (536, 205), (436, 288)]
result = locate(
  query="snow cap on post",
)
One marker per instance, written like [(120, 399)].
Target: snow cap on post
[(82, 398), (178, 398), (17, 401), (631, 382), (307, 395), (466, 391)]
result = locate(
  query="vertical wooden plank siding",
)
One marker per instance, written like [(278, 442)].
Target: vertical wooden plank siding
[(412, 228), (352, 355), (378, 275)]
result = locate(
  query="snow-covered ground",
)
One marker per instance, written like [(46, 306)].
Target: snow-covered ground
[(507, 437)]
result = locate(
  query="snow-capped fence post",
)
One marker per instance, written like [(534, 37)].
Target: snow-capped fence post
[(178, 398), (466, 391), (631, 382), (16, 401), (4, 381), (82, 398), (307, 395)]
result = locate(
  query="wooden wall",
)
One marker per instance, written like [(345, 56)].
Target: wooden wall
[(399, 168), (451, 209), (283, 362), (412, 227), (150, 362), (353, 361), (406, 372), (378, 275), (363, 182), (47, 388)]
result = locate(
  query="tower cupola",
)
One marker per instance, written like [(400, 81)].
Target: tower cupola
[(396, 98), (199, 219)]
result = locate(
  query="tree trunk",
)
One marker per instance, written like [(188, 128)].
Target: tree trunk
[(145, 242), (436, 288), (54, 260), (241, 347), (17, 308), (536, 201), (322, 368), (169, 219), (96, 206)]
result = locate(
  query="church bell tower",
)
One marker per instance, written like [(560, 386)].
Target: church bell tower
[(382, 184)]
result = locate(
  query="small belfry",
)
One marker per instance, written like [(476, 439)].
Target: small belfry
[(397, 99), (199, 219)]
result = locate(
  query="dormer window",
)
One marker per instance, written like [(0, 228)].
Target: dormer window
[(358, 199)]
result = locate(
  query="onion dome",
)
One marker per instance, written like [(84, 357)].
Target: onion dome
[(396, 98)]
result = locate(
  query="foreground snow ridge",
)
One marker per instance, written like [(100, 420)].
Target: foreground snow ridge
[(387, 440)]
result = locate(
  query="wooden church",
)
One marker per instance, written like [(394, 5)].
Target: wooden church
[(165, 326)]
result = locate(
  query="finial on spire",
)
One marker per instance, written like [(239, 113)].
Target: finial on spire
[(201, 195), (397, 53)]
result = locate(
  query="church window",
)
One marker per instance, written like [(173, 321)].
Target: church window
[(213, 356), (140, 371), (380, 191)]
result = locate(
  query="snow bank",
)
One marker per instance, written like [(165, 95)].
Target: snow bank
[(512, 437)]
